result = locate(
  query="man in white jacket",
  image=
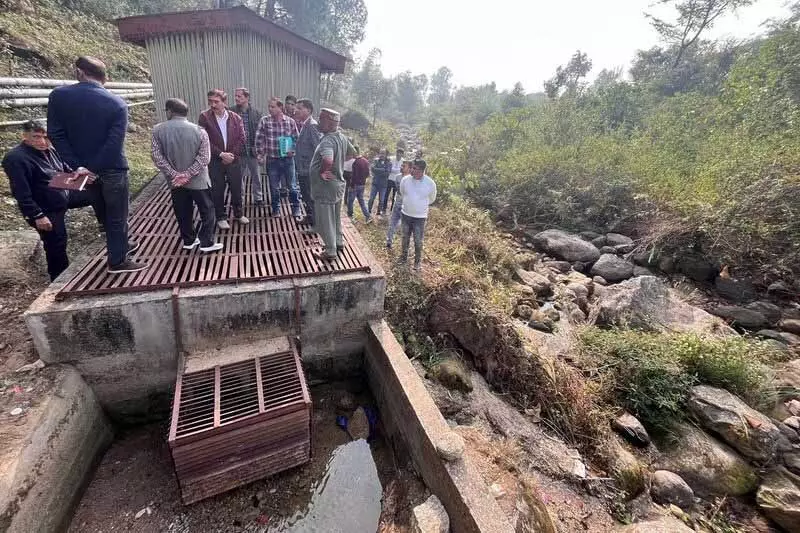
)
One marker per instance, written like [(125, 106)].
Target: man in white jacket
[(418, 192)]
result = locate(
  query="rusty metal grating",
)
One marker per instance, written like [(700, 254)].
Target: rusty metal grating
[(237, 423), (267, 248)]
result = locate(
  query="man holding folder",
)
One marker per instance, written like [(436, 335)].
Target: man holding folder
[(275, 146)]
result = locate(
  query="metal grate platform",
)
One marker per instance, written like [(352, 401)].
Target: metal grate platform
[(267, 248), (236, 423)]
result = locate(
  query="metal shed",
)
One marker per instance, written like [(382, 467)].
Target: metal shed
[(191, 52)]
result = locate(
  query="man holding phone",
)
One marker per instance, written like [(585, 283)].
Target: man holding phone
[(30, 166)]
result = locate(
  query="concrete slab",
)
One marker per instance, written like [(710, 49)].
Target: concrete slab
[(48, 454), (414, 422), (204, 360)]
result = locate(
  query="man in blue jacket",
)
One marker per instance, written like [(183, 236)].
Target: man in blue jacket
[(30, 166), (87, 125)]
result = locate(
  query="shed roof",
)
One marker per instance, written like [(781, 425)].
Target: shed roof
[(137, 29)]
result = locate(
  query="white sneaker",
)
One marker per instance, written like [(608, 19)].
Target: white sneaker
[(223, 224), (192, 246), (216, 247), (242, 220)]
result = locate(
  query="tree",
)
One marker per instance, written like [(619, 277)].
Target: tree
[(569, 77), (336, 24), (694, 17), (410, 93), (370, 89), (441, 87), (515, 99)]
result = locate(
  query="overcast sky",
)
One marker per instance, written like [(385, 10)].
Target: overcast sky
[(506, 41)]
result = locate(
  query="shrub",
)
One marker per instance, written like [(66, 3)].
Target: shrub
[(651, 374)]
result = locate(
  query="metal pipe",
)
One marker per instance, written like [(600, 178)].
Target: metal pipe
[(40, 102), (18, 92), (10, 123), (42, 82)]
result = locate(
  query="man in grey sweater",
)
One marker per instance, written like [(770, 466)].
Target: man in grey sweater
[(181, 151)]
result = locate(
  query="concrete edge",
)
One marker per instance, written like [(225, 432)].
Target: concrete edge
[(57, 459), (411, 416)]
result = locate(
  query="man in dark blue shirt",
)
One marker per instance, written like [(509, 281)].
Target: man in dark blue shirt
[(87, 125), (30, 166)]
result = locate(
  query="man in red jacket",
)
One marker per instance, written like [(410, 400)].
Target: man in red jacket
[(227, 138)]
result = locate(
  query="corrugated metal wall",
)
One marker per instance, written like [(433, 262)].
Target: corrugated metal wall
[(187, 65)]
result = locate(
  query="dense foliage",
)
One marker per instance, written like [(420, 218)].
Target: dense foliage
[(704, 153)]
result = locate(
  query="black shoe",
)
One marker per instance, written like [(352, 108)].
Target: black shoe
[(133, 246), (127, 266), (339, 249)]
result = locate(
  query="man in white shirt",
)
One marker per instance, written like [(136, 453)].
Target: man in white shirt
[(418, 192), (397, 206)]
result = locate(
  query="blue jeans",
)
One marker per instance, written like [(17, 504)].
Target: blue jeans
[(353, 193), (379, 190), (417, 227), (394, 222), (282, 168), (110, 197)]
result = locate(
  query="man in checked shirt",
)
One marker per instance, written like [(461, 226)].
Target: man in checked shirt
[(270, 130)]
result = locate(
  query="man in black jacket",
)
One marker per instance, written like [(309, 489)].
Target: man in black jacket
[(30, 166), (251, 117)]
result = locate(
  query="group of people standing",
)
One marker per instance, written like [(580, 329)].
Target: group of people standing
[(304, 159)]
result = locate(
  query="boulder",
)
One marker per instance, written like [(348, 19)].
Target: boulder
[(793, 422), (358, 425), (540, 284), (770, 311), (750, 432), (666, 524), (600, 280), (559, 266), (615, 239), (20, 251), (787, 380), (742, 317), (792, 461), (607, 250), (735, 290), (565, 246), (780, 336), (646, 258), (792, 325), (523, 289), (450, 447), (627, 470), (646, 303), (430, 517), (580, 293), (453, 374), (779, 499), (696, 267), (599, 242), (589, 235), (612, 268), (622, 249), (541, 322), (666, 264), (631, 429), (780, 288), (710, 467), (639, 271), (524, 311), (670, 488)]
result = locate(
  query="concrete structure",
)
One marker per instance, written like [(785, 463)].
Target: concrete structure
[(128, 346), (47, 456), (415, 425), (193, 51)]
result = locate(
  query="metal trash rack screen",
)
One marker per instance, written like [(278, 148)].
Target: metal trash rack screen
[(238, 423), (267, 248)]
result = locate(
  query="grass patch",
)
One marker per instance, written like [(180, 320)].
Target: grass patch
[(651, 374)]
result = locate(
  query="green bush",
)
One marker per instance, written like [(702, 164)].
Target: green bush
[(651, 374)]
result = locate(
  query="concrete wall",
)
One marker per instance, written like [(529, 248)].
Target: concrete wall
[(46, 461), (415, 423)]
